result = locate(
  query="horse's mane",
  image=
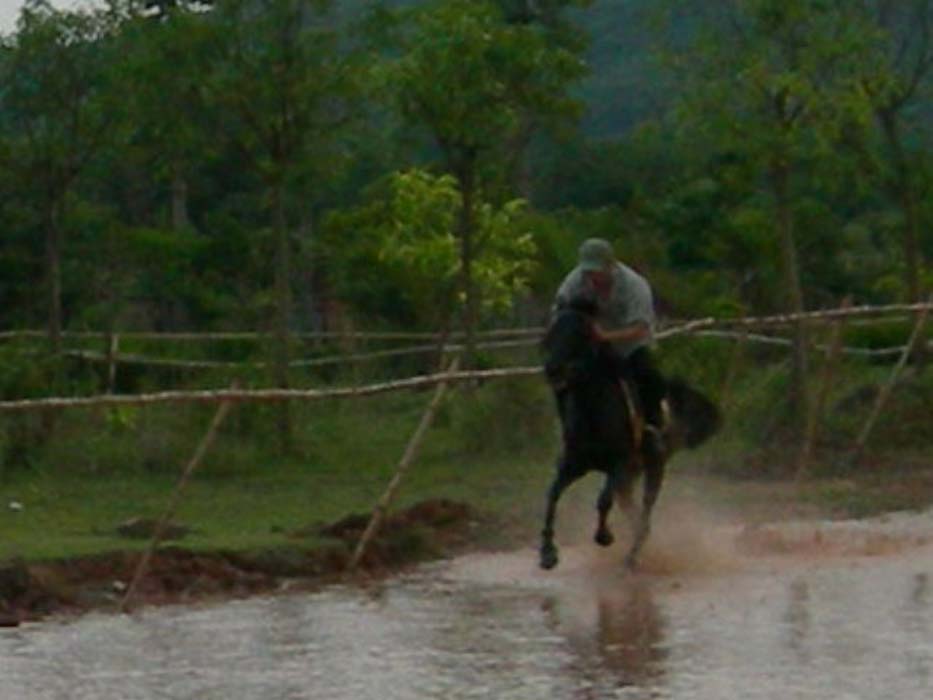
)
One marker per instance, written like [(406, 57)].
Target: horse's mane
[(584, 304)]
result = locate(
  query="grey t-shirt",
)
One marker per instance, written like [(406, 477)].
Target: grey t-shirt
[(630, 301)]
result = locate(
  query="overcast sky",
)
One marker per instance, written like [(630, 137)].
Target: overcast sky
[(9, 11)]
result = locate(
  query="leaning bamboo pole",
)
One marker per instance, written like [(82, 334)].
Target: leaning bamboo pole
[(411, 450), (158, 531), (735, 365), (886, 390)]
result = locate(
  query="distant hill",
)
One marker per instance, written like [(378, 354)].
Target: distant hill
[(625, 84)]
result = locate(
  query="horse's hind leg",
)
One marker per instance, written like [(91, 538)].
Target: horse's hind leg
[(603, 536), (623, 500), (654, 476), (565, 476)]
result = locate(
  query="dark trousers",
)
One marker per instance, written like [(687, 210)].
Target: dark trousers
[(640, 370)]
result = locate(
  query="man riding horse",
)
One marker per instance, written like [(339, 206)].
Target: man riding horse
[(624, 318)]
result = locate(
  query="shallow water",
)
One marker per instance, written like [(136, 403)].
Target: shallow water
[(851, 621)]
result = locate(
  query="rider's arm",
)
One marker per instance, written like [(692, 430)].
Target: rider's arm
[(626, 334)]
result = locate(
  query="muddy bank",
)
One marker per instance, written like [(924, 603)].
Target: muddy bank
[(428, 530)]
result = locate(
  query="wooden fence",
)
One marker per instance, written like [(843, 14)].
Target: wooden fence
[(734, 328), (499, 339), (728, 328)]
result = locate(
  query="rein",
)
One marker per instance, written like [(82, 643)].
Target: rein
[(566, 374)]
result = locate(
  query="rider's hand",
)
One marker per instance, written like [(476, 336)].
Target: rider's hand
[(599, 335)]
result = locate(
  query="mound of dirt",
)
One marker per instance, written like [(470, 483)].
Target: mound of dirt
[(430, 529), (436, 514), (426, 530)]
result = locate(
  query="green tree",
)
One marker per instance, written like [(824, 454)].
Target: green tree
[(908, 31), (162, 76), (776, 81), (57, 111), (551, 19), (895, 84), (284, 87), (407, 235), (470, 79)]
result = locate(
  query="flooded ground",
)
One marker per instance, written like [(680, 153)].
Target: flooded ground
[(840, 610)]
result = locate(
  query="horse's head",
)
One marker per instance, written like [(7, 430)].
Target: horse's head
[(568, 347)]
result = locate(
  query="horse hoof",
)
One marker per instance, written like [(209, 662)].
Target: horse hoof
[(603, 538), (631, 564), (548, 559)]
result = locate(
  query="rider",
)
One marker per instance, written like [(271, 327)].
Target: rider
[(625, 319)]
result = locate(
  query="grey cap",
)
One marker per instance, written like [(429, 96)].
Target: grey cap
[(596, 254)]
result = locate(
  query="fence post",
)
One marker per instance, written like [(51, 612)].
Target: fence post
[(833, 351), (113, 347), (732, 373), (382, 505)]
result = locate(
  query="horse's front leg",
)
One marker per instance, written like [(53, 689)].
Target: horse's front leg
[(654, 477), (564, 477), (603, 536)]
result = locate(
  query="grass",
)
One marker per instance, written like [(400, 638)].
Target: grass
[(245, 496), (492, 447)]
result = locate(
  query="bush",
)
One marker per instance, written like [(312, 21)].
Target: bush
[(886, 334), (28, 371), (505, 416)]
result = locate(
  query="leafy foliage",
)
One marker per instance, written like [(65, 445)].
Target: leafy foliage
[(408, 236)]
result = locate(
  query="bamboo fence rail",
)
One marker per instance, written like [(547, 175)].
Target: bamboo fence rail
[(116, 358), (698, 326), (518, 338), (135, 359), (675, 326), (894, 351), (262, 395), (256, 335)]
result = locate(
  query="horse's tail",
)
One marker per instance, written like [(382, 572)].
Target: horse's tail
[(700, 417)]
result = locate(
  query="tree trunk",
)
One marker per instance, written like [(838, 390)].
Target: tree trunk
[(518, 172), (282, 314), (180, 220), (53, 255), (465, 230), (902, 189), (53, 262), (780, 176)]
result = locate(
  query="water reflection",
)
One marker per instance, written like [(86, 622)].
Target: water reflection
[(797, 618), (921, 590), (915, 620), (630, 634), (615, 633), (509, 633)]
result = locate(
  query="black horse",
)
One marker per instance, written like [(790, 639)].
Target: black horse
[(602, 428)]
